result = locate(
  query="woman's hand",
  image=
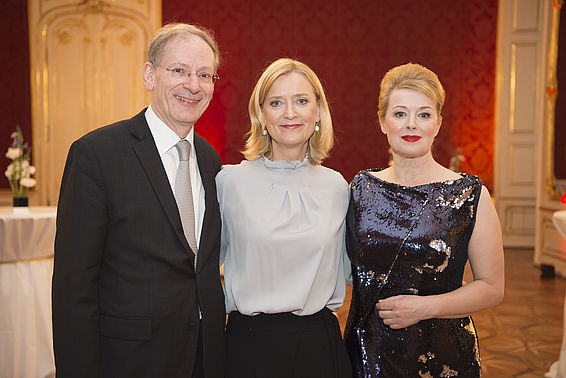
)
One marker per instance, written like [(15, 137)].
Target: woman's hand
[(402, 311)]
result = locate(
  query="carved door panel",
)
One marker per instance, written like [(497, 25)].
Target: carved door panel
[(86, 72)]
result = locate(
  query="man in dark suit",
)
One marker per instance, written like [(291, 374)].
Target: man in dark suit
[(136, 285)]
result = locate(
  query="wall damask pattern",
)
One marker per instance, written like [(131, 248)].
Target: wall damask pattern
[(350, 45), (15, 100)]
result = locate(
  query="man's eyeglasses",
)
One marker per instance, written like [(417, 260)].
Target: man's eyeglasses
[(204, 78)]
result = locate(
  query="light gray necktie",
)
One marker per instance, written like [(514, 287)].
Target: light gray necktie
[(184, 194)]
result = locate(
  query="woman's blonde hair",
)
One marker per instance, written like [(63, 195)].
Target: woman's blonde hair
[(411, 76), (258, 144)]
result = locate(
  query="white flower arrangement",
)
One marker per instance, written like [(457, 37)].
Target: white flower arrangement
[(19, 171)]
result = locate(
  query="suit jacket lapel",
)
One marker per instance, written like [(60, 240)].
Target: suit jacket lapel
[(147, 153)]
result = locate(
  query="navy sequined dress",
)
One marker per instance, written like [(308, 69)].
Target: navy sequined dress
[(419, 235)]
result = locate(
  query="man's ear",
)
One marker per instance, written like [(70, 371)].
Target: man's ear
[(148, 75)]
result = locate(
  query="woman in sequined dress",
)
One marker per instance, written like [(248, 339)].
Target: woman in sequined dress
[(410, 230)]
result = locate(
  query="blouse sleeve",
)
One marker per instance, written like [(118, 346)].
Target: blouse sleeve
[(220, 183)]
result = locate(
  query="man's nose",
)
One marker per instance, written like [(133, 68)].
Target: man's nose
[(191, 82)]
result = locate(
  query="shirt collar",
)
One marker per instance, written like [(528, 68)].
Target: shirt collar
[(164, 137)]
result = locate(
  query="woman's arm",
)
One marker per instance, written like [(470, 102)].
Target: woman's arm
[(485, 251)]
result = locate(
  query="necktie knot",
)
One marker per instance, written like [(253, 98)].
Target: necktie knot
[(183, 148)]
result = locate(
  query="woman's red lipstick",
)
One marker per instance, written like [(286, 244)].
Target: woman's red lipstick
[(411, 138)]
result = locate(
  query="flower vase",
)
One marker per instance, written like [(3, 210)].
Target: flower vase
[(20, 204)]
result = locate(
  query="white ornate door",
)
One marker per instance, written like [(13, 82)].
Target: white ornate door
[(519, 116), (86, 59)]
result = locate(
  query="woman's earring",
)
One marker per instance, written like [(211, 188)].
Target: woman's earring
[(316, 127), (264, 132)]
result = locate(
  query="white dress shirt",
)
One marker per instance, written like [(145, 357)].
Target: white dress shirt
[(283, 237), (165, 140)]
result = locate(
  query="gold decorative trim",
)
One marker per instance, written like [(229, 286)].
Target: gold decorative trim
[(512, 84), (551, 94)]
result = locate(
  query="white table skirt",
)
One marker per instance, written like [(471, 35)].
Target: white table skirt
[(28, 235), (26, 268), (26, 342)]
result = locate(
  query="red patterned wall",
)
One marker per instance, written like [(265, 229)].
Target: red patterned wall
[(350, 45), (15, 100)]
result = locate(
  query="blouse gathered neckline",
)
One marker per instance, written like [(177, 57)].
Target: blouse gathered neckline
[(289, 165)]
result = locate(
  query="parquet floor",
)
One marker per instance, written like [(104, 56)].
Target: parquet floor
[(522, 336)]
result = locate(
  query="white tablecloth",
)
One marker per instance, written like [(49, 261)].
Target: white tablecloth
[(558, 369), (27, 235), (26, 267)]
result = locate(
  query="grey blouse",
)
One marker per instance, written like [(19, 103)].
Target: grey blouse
[(283, 228)]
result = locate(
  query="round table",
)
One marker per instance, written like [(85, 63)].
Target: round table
[(26, 268)]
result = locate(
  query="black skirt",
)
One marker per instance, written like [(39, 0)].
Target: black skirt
[(285, 345)]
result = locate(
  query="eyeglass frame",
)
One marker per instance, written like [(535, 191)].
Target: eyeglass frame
[(213, 78)]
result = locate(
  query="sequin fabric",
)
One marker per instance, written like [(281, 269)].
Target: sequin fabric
[(425, 230)]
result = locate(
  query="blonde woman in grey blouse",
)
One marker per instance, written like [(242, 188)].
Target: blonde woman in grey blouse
[(283, 235)]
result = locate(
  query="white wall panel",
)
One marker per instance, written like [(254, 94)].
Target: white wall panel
[(526, 15), (524, 68), (523, 167)]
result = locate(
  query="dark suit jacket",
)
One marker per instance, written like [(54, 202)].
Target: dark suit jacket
[(125, 291)]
